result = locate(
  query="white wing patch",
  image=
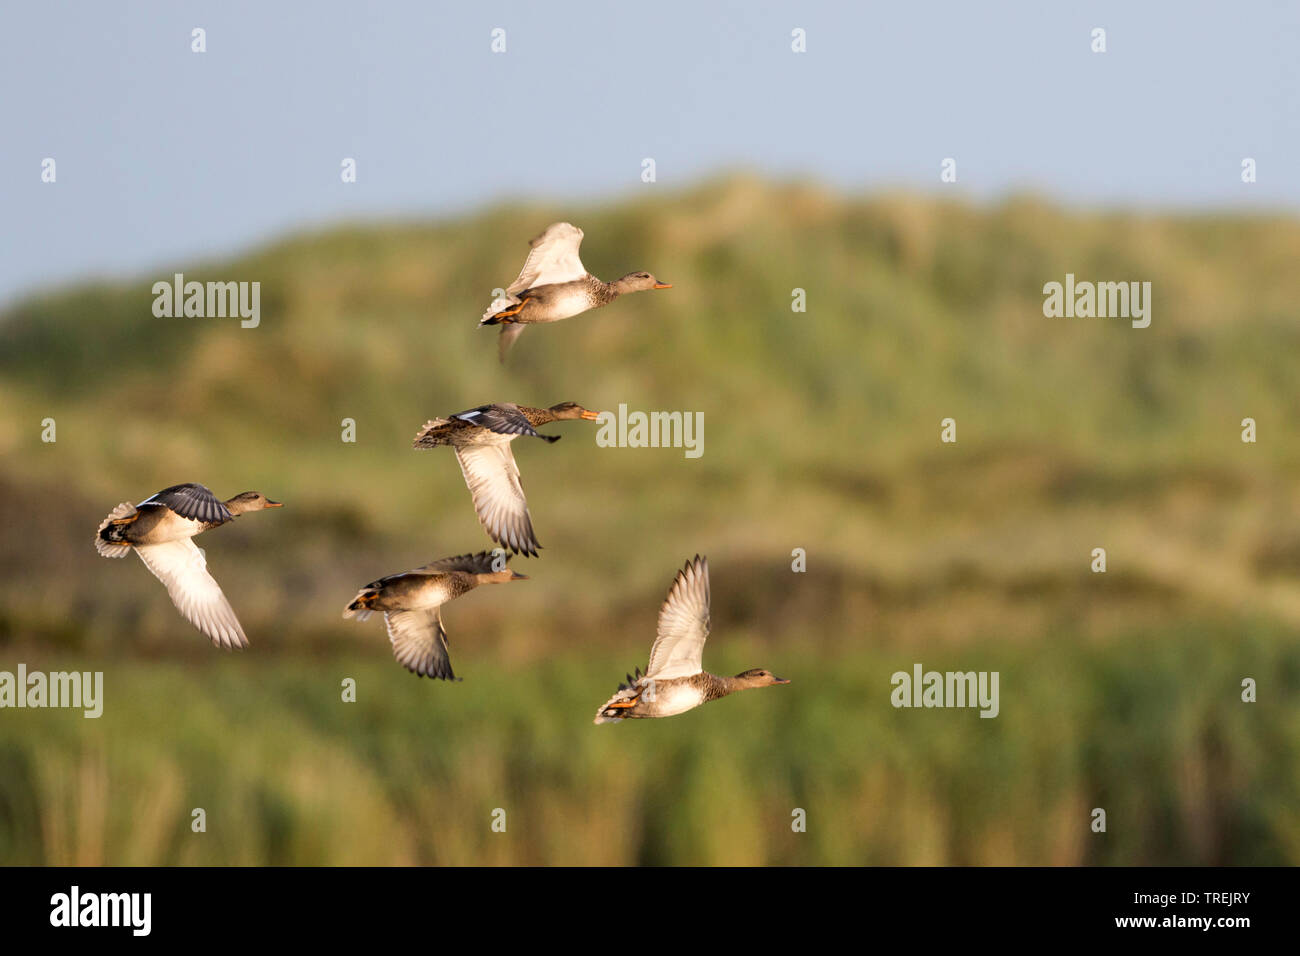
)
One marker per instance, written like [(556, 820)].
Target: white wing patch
[(180, 566)]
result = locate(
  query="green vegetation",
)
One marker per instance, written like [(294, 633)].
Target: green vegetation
[(1118, 690)]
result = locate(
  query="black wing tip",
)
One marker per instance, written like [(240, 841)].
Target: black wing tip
[(515, 550), (434, 675)]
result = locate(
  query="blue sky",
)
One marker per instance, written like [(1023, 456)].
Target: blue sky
[(164, 155)]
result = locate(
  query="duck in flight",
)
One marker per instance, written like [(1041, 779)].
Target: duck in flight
[(412, 606), (481, 437), (554, 285), (675, 680), (161, 530)]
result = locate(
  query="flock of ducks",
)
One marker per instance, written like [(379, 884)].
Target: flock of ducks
[(552, 285)]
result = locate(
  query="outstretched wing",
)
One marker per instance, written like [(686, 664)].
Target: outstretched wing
[(180, 566), (420, 642), (493, 479), (191, 501), (553, 258), (504, 419), (683, 624)]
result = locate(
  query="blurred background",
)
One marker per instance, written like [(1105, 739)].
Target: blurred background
[(775, 171)]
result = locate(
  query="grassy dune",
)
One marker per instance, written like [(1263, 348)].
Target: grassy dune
[(1119, 690)]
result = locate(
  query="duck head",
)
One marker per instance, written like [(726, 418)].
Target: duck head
[(566, 411), (638, 282), (251, 501), (758, 677)]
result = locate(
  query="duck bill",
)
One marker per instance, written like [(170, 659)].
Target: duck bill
[(779, 680), (274, 504), (590, 416), (663, 285), (516, 576)]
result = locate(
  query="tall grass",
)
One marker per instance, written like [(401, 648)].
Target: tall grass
[(1149, 727)]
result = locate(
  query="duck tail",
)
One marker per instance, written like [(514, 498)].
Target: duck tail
[(362, 605), (502, 310), (615, 709), (433, 434), (110, 539)]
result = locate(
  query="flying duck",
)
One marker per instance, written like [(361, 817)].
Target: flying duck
[(482, 437), (412, 602), (554, 285), (675, 680), (161, 529)]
